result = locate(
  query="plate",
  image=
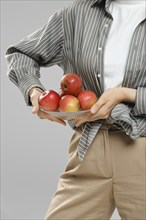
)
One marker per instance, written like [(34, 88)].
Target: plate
[(67, 115)]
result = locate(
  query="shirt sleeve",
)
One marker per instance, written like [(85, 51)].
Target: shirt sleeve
[(40, 49), (140, 103), (122, 118)]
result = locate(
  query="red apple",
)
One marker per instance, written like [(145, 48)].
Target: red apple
[(87, 98), (49, 100), (71, 84), (69, 103), (61, 93)]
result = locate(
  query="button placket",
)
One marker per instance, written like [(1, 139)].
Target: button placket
[(100, 49)]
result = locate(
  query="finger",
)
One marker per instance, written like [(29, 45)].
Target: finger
[(77, 118), (95, 108), (35, 104), (58, 120), (35, 109), (81, 121), (44, 115), (103, 113), (81, 118), (34, 95)]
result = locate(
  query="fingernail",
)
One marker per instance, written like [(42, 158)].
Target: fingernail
[(62, 123), (33, 111), (93, 110)]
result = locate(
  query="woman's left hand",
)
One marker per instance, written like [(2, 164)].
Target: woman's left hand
[(107, 101)]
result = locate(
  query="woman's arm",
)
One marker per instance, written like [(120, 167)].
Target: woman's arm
[(107, 101), (41, 48), (127, 94), (140, 102)]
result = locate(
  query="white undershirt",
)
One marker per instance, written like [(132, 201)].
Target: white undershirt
[(127, 14)]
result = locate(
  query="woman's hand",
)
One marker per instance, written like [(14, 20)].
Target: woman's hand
[(107, 101), (34, 97)]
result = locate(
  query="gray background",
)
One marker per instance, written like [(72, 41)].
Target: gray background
[(30, 167)]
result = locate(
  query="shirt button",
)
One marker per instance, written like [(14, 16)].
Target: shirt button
[(99, 75), (100, 48)]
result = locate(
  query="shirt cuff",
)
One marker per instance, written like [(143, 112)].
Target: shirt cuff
[(140, 103), (28, 82)]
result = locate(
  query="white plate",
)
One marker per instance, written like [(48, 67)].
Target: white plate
[(67, 115)]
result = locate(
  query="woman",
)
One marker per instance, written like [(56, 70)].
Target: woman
[(104, 42)]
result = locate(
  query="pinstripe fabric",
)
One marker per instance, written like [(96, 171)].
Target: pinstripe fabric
[(74, 38)]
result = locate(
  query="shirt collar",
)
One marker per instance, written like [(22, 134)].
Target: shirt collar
[(94, 2), (106, 3)]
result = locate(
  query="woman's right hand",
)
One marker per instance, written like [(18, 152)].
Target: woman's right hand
[(34, 95)]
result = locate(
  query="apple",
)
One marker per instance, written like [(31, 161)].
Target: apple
[(61, 93), (71, 84), (49, 100), (87, 98), (69, 103)]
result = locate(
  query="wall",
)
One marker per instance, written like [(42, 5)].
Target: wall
[(29, 169)]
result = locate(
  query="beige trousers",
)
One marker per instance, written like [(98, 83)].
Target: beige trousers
[(112, 174)]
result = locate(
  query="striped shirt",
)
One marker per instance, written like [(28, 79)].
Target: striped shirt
[(74, 38)]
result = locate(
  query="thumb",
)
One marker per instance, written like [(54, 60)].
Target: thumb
[(35, 109), (96, 107), (35, 103)]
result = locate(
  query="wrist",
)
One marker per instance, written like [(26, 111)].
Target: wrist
[(33, 89), (128, 94)]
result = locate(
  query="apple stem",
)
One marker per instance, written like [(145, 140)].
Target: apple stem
[(65, 86)]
